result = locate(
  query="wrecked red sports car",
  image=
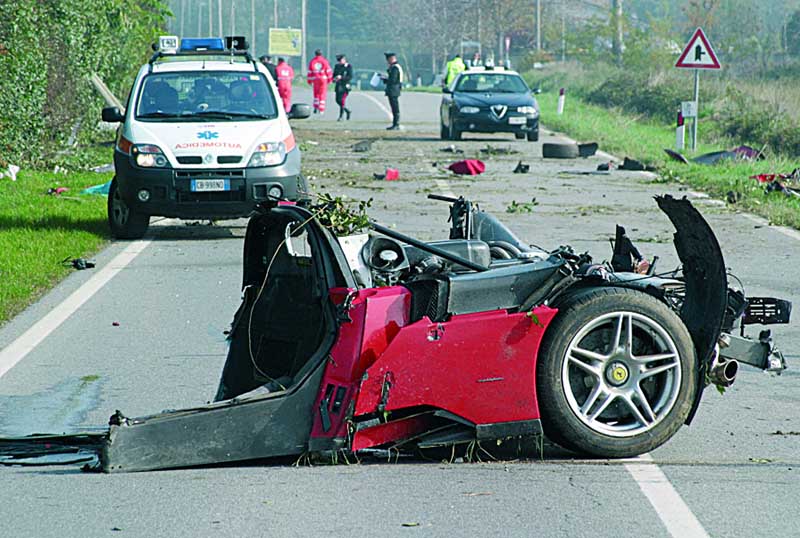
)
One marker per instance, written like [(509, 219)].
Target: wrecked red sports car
[(412, 344)]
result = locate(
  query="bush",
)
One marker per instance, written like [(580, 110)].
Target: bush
[(747, 119), (657, 95), (48, 49)]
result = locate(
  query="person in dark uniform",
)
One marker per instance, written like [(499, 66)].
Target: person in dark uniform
[(342, 75), (394, 84), (271, 67)]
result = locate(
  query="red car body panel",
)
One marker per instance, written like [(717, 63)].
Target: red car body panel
[(480, 367), (377, 315)]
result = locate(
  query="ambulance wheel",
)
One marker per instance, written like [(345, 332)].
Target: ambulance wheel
[(125, 223), (616, 374)]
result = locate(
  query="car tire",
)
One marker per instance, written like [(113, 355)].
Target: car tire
[(444, 133), (599, 398), (455, 134), (533, 136), (125, 223), (559, 151), (519, 136)]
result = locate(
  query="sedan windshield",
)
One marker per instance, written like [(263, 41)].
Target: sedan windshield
[(491, 83), (204, 95)]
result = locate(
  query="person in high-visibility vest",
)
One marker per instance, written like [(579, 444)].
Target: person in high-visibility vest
[(454, 67), (320, 75)]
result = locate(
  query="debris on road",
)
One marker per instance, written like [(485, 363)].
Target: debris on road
[(522, 168), (570, 150), (11, 172), (779, 182), (56, 191), (363, 146), (78, 263), (98, 189), (552, 150), (391, 174), (606, 167), (468, 167), (635, 166), (522, 207), (452, 149), (588, 149), (745, 153), (491, 150), (585, 172), (115, 323), (733, 197)]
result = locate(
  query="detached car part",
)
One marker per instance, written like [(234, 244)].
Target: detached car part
[(477, 337)]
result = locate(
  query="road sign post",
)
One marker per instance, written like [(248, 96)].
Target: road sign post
[(697, 55)]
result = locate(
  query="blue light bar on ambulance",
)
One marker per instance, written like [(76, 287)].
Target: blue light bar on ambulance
[(201, 44)]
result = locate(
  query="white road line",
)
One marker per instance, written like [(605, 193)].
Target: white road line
[(670, 507), (380, 105), (788, 232), (27, 341)]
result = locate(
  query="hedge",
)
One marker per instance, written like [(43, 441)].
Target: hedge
[(48, 48)]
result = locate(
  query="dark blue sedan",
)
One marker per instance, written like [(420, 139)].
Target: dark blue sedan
[(489, 100)]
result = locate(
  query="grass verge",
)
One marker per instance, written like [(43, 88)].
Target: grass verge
[(38, 230), (633, 136)]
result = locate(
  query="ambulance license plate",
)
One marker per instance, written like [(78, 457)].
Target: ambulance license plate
[(211, 185), (517, 120)]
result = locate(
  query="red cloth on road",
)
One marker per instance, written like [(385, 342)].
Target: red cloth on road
[(319, 76), (468, 167), (285, 78)]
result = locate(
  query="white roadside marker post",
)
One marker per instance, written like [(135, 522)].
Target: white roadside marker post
[(561, 98), (680, 133)]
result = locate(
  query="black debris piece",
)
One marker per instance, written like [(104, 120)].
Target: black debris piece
[(587, 150), (522, 168), (78, 263)]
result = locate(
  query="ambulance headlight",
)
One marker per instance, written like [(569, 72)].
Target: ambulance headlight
[(149, 156), (268, 154)]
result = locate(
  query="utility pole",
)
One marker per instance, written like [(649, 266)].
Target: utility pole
[(219, 16), (183, 17), (210, 18), (328, 29), (253, 25), (303, 31), (199, 18), (618, 44), (274, 13), (538, 25), (233, 18)]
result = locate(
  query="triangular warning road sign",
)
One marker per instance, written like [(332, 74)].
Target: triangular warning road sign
[(698, 53)]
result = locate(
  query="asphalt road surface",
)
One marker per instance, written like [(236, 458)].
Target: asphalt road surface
[(734, 473)]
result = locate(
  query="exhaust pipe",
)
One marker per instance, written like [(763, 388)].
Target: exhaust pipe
[(723, 372)]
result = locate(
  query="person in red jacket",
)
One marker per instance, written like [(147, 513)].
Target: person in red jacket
[(285, 75), (320, 75)]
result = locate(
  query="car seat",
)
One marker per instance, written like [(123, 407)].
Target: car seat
[(159, 97), (470, 85)]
